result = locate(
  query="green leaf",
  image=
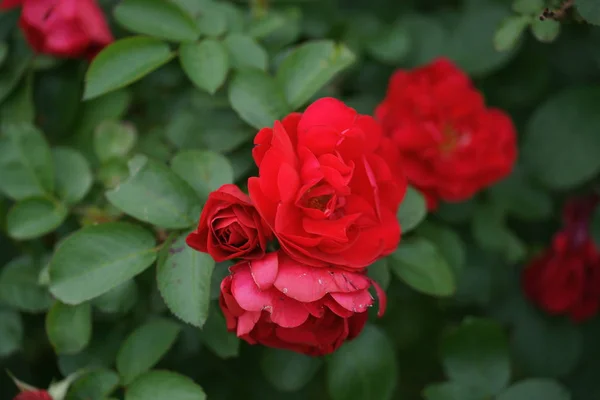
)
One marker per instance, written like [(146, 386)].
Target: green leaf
[(476, 354), (26, 164), (206, 64), (205, 171), (97, 258), (490, 231), (452, 391), (531, 7), (257, 98), (155, 194), (213, 19), (34, 217), (589, 10), (364, 368), (391, 44), (145, 347), (429, 38), (412, 211), (11, 332), (184, 282), (73, 175), (245, 52), (114, 140), (158, 18), (124, 62), (119, 299), (510, 31), (288, 371), (380, 272), (309, 67), (521, 198), (533, 336), (448, 243), (94, 385), (18, 108), (12, 71), (161, 385), (420, 265), (545, 31), (535, 389), (19, 287), (215, 336), (561, 144), (472, 41), (69, 328)]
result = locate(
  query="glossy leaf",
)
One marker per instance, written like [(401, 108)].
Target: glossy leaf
[(364, 368), (166, 200), (183, 278), (159, 18), (309, 67), (420, 265), (73, 175), (160, 385), (206, 63), (34, 217), (204, 171), (69, 328), (145, 347), (124, 62), (113, 140), (97, 258), (412, 211)]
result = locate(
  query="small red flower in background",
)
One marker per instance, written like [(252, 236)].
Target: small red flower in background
[(230, 227), (326, 193), (33, 395), (63, 28), (565, 279), (281, 303), (451, 145)]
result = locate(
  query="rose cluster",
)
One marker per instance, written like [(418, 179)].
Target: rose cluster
[(329, 185), (63, 28), (326, 197), (565, 279)]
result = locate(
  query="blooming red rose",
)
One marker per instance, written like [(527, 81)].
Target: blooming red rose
[(64, 28), (230, 227), (326, 193), (452, 146), (279, 302), (36, 395)]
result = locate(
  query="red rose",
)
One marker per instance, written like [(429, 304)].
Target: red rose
[(452, 146), (230, 227), (279, 302), (64, 28), (322, 188), (565, 279), (37, 395)]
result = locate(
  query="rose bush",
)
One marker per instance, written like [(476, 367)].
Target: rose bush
[(203, 199)]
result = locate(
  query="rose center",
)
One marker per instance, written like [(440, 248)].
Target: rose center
[(319, 202), (450, 137)]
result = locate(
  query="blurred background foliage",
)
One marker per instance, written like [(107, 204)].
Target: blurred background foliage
[(471, 345)]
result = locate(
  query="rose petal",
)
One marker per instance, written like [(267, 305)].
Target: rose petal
[(264, 270)]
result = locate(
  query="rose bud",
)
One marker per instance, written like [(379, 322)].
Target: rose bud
[(230, 227)]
